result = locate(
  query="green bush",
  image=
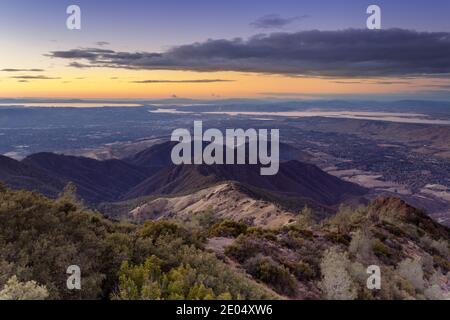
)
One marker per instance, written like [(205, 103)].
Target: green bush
[(228, 228), (339, 238), (380, 249), (247, 246), (272, 273), (303, 271)]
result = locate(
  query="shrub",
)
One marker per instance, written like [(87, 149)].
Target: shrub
[(155, 229), (439, 246), (305, 218), (228, 228), (339, 238), (247, 246), (411, 270), (205, 219), (198, 276), (262, 233), (434, 291), (444, 264), (303, 271), (270, 272), (30, 290), (361, 246), (336, 282), (345, 219), (380, 249)]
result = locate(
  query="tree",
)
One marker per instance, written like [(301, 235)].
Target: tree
[(147, 282), (305, 218), (2, 187), (69, 194), (16, 290), (336, 281), (141, 282), (361, 246)]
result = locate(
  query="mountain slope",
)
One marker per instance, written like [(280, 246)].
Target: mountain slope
[(160, 155), (294, 179), (154, 156), (20, 175), (96, 180), (228, 201)]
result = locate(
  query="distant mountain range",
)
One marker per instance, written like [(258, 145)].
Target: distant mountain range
[(151, 173)]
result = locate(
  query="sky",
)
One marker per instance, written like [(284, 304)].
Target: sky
[(224, 49)]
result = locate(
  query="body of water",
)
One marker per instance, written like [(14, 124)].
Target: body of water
[(418, 118)]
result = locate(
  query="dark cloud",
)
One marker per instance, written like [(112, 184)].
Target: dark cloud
[(344, 53), (347, 82), (439, 86), (390, 82), (22, 70), (79, 65), (34, 78), (102, 43), (273, 21), (84, 53), (183, 81)]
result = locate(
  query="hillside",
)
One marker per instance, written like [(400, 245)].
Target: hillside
[(150, 172), (159, 155), (19, 175), (329, 260), (96, 180), (294, 178), (51, 235), (204, 256), (227, 201)]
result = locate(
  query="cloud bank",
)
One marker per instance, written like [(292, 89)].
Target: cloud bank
[(342, 53)]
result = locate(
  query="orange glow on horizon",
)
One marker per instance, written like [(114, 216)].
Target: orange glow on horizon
[(113, 83)]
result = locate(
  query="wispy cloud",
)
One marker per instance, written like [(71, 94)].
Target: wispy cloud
[(390, 82), (183, 81), (34, 78), (347, 82), (343, 53), (275, 21), (22, 70), (439, 86), (102, 43)]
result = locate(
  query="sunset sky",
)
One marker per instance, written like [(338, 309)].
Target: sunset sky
[(224, 49)]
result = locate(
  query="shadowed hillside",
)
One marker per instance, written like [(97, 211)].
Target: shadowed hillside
[(294, 178)]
